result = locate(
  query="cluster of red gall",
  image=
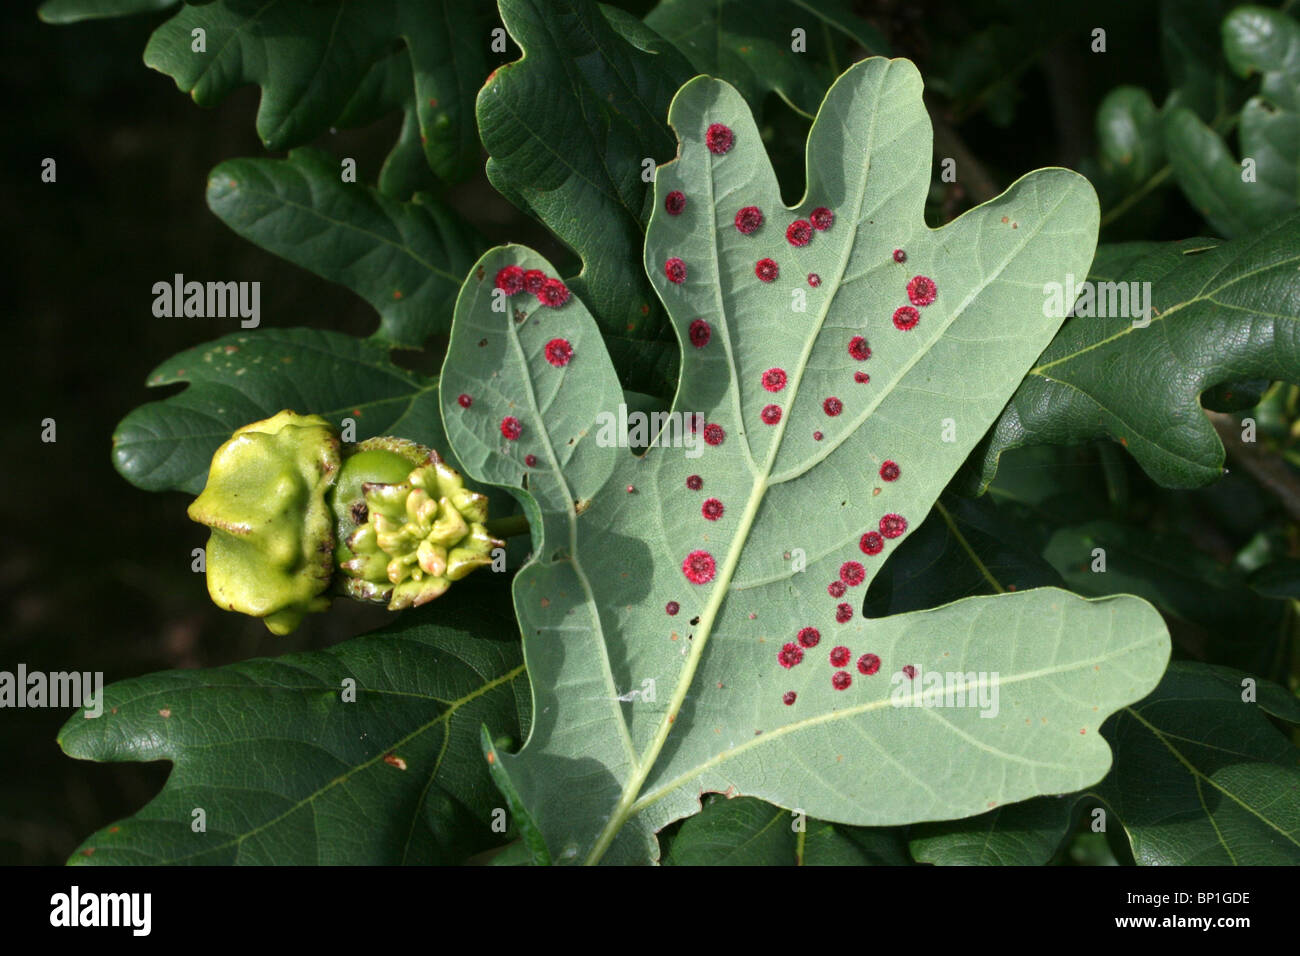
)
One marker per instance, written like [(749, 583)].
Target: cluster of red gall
[(550, 292), (792, 654), (719, 138)]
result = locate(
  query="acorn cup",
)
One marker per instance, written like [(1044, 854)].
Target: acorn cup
[(386, 521)]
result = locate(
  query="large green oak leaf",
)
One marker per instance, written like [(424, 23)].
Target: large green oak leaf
[(404, 258), (640, 710), (1220, 313), (366, 753), (315, 61)]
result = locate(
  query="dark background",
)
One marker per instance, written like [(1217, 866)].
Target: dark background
[(94, 573)]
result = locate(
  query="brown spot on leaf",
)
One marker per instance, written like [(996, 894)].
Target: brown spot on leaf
[(165, 712), (394, 761)]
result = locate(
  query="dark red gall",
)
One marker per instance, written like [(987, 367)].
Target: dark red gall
[(789, 655), (905, 318), (510, 280), (559, 352), (892, 525), (922, 290), (868, 664), (719, 138), (699, 567), (774, 379), (748, 219)]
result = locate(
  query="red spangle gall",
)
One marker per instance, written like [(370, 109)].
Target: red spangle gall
[(675, 270), (674, 203), (835, 589), (799, 232), (774, 379), (510, 280), (711, 509), (672, 607), (713, 434), (789, 655), (530, 460), (814, 279), (890, 471), (900, 255), (553, 293), (852, 573), (766, 270), (559, 352), (821, 218), (817, 436), (699, 567), (839, 656), (631, 489), (868, 664), (533, 280), (841, 680), (921, 290), (694, 482), (464, 401), (700, 332), (789, 697), (832, 406), (510, 427), (862, 378), (905, 318), (770, 414), (748, 219), (859, 348), (809, 636), (892, 525), (909, 671), (843, 613), (718, 138), (872, 543)]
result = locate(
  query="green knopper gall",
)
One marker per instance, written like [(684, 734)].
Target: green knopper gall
[(270, 554), (411, 537)]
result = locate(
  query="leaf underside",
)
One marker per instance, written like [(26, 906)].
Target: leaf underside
[(604, 768)]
